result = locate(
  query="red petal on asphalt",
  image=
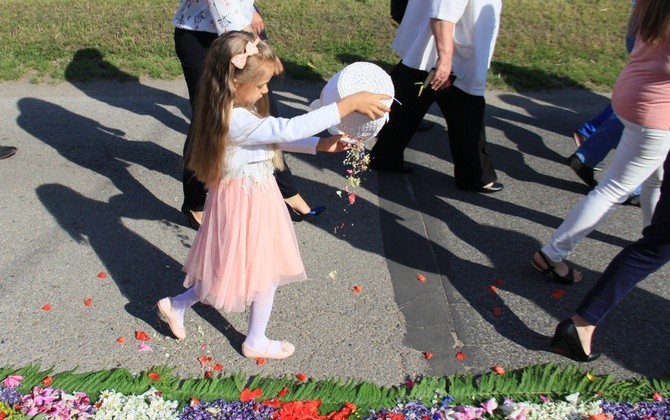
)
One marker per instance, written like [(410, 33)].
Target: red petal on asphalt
[(283, 392), (301, 377), (428, 355), (352, 197), (217, 367), (88, 301), (460, 355), (204, 359), (47, 381), (357, 289), (141, 335), (492, 289), (46, 307), (102, 275), (208, 374), (498, 370), (499, 281), (558, 294), (121, 340), (421, 278), (260, 361), (497, 311), (154, 376)]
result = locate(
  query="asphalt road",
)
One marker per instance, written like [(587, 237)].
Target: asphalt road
[(95, 187)]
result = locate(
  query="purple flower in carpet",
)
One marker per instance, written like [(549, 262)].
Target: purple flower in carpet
[(9, 395), (639, 410), (12, 381), (221, 409)]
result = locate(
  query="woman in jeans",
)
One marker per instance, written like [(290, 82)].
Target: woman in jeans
[(641, 99)]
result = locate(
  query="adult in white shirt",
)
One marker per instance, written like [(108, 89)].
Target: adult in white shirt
[(197, 24), (456, 38)]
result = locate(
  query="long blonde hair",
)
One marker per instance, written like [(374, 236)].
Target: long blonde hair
[(652, 21), (215, 100)]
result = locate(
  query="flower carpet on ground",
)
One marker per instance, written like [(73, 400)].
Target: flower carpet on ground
[(535, 392)]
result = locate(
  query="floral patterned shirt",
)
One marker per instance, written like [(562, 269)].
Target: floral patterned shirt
[(216, 16)]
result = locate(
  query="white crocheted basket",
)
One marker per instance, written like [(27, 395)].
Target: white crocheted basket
[(357, 77)]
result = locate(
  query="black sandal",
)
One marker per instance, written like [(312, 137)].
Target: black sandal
[(551, 272)]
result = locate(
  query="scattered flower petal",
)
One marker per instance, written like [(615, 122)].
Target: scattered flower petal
[(154, 376), (352, 197), (499, 281), (217, 367), (460, 355), (283, 392), (121, 340), (302, 377), (46, 307), (492, 289), (357, 289), (544, 398), (428, 355), (260, 361), (47, 381), (194, 401), (141, 335), (590, 376), (144, 348), (410, 383), (208, 374), (339, 193), (572, 398), (497, 311), (88, 301), (204, 359), (332, 274), (421, 278), (102, 275), (657, 396), (558, 294), (499, 370)]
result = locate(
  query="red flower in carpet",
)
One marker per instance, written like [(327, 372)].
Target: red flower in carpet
[(248, 395), (46, 307), (47, 381), (558, 294), (208, 374), (272, 402), (141, 335), (460, 355), (657, 396), (217, 367), (121, 340), (260, 361), (283, 392), (343, 413), (102, 275), (88, 301), (300, 410), (428, 355), (154, 376), (302, 377), (194, 401), (421, 278)]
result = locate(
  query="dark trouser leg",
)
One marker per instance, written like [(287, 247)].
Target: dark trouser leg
[(467, 138), (191, 48), (407, 111), (634, 263)]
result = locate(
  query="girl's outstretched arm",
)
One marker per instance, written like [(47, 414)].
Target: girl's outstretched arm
[(366, 103)]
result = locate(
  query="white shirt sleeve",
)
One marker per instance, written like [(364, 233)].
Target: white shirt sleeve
[(230, 15), (246, 128)]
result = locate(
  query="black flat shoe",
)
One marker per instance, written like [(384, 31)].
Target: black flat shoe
[(299, 217), (402, 169), (566, 343), (493, 188), (7, 151), (584, 172)]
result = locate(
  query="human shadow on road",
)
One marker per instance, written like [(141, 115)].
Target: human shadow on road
[(120, 92), (142, 272)]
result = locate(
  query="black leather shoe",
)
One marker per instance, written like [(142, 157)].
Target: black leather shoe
[(493, 188), (566, 343), (7, 151), (299, 217), (583, 172), (402, 169)]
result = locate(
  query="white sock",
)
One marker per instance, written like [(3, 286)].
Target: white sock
[(182, 302), (259, 317)]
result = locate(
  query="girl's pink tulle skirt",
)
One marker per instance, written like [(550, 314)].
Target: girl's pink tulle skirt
[(245, 245)]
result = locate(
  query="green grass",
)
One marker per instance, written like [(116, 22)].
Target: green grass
[(542, 44)]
